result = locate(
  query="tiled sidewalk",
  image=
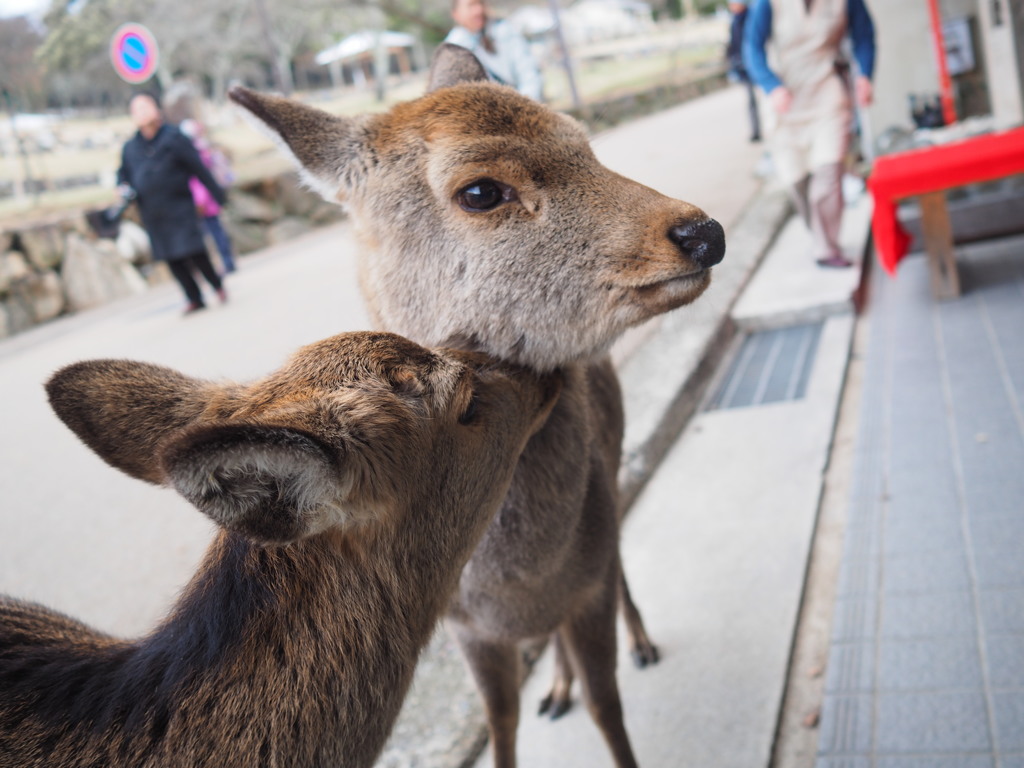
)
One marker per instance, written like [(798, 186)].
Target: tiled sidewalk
[(926, 668)]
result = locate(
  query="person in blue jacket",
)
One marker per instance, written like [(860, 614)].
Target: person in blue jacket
[(737, 70), (808, 89), (499, 47)]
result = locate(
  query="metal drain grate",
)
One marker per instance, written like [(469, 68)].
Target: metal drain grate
[(770, 367)]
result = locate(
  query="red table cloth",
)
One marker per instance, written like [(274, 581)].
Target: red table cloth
[(929, 169)]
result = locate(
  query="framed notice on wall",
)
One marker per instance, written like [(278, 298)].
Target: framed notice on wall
[(956, 38)]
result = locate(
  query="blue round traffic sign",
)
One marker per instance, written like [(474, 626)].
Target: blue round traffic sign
[(133, 53)]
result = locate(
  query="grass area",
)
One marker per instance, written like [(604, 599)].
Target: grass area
[(85, 146), (671, 54), (606, 77), (63, 162)]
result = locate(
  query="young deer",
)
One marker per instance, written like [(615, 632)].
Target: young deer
[(351, 486), (488, 223)]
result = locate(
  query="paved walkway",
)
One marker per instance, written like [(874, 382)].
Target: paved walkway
[(88, 540), (926, 668)]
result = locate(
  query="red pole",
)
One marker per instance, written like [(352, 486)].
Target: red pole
[(945, 84)]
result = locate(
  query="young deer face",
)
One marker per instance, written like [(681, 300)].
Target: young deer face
[(487, 220), (358, 428)]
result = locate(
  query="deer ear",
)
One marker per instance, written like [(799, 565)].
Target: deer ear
[(453, 65), (329, 150), (122, 410), (270, 483)]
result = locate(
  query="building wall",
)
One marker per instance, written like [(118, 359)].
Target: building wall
[(1002, 48), (905, 63), (906, 58)]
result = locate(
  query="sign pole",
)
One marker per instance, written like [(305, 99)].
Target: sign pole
[(556, 16), (945, 84)]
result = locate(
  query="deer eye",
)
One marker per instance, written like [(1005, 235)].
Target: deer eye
[(484, 195), (469, 415)]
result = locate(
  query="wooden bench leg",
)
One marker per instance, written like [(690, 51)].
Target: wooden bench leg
[(938, 241)]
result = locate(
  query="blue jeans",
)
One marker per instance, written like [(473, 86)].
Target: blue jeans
[(220, 237)]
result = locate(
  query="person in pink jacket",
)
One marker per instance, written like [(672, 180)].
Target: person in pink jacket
[(209, 209)]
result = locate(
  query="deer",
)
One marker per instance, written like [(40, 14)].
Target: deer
[(486, 223), (348, 489)]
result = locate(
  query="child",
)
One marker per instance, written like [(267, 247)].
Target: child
[(209, 209)]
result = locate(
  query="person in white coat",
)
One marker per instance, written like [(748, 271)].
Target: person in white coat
[(502, 51), (807, 87)]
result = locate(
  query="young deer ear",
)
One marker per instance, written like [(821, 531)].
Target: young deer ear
[(329, 150), (453, 65), (270, 483), (122, 410)]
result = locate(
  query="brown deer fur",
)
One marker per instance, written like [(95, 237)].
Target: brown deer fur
[(487, 222), (351, 486)]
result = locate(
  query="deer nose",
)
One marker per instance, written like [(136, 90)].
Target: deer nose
[(702, 242)]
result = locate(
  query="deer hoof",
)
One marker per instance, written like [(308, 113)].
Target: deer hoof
[(645, 655), (554, 706)]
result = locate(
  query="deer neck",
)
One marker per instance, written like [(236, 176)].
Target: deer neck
[(324, 633), (301, 652)]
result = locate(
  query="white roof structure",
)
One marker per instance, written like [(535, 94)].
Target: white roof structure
[(360, 43), (587, 20), (532, 20)]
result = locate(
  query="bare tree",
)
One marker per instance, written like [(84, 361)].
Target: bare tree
[(213, 41), (222, 43), (430, 18), (20, 74)]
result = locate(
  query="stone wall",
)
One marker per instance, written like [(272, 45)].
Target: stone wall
[(58, 266)]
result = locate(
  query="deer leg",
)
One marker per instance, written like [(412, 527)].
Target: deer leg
[(641, 649), (495, 668), (557, 703), (590, 641)]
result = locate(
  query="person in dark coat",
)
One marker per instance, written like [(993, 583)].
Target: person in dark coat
[(156, 164)]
